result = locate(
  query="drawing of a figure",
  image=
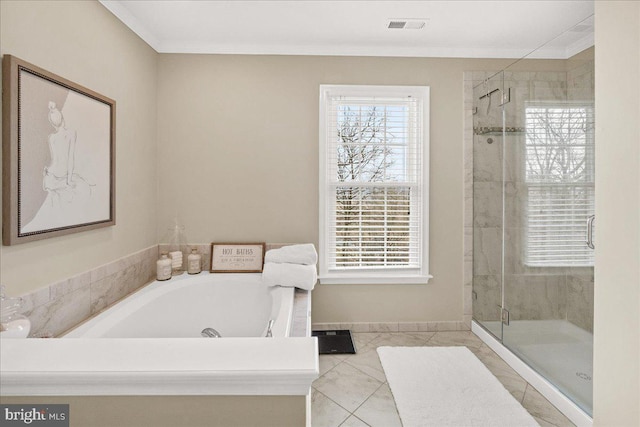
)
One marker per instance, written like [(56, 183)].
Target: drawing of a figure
[(67, 191)]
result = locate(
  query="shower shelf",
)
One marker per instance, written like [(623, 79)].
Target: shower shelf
[(497, 130)]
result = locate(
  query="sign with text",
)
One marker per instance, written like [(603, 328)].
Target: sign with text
[(237, 257)]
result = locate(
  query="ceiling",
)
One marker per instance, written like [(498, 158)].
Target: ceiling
[(455, 29)]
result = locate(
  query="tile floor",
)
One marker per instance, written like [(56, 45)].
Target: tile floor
[(352, 390)]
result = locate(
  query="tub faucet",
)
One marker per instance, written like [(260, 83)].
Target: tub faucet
[(210, 333), (269, 328)]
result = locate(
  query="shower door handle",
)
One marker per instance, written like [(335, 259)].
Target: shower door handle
[(590, 231)]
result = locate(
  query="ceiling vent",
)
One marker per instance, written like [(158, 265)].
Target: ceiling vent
[(397, 24), (405, 24)]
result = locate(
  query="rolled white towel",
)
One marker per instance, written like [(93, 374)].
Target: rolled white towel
[(290, 275), (294, 254)]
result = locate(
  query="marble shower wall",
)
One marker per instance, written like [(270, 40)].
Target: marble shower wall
[(530, 293), (486, 202), (581, 82)]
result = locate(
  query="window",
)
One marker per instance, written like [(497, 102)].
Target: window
[(374, 149), (559, 174)]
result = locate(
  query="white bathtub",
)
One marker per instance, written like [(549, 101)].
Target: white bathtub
[(235, 305), (149, 344)]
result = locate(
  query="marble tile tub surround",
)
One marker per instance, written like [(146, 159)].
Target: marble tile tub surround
[(531, 293), (59, 306)]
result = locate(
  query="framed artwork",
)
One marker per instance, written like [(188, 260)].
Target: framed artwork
[(237, 257), (58, 155)]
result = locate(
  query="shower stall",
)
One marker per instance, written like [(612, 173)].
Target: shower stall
[(532, 222)]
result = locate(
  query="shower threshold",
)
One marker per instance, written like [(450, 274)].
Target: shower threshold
[(554, 356)]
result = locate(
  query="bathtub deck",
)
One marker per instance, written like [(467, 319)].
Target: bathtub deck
[(301, 321), (152, 366)]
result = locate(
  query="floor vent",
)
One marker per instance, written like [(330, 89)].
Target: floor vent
[(335, 342)]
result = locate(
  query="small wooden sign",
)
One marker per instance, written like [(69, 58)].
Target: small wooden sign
[(237, 257)]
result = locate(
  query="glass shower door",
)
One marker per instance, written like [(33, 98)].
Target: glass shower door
[(488, 171), (548, 196)]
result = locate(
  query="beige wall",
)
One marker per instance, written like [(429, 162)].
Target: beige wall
[(238, 160), (616, 373), (237, 152), (172, 411), (85, 43)]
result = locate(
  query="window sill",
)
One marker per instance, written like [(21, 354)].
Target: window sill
[(375, 280)]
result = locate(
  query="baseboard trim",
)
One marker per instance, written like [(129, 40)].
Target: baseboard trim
[(395, 326)]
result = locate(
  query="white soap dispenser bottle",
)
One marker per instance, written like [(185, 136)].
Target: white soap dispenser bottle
[(194, 262), (163, 267)]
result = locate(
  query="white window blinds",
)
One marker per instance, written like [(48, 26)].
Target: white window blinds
[(559, 156), (373, 195)]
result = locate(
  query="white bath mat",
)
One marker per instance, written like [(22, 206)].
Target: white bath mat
[(448, 386)]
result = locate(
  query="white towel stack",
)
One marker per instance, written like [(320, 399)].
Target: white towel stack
[(291, 266), (176, 259)]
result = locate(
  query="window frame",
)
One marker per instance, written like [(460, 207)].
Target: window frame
[(379, 275)]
